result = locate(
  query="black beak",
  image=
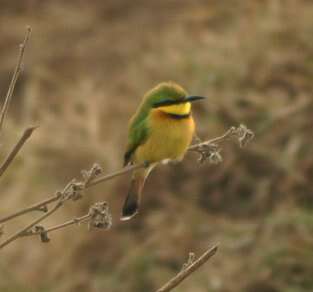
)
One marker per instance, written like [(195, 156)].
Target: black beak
[(194, 98)]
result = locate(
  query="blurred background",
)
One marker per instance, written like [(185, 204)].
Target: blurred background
[(87, 65)]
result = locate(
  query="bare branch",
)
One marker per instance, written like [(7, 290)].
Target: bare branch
[(74, 189), (38, 229), (188, 269), (20, 143), (241, 133), (15, 76), (29, 226), (43, 205), (71, 191), (123, 171), (211, 150), (97, 217), (204, 148)]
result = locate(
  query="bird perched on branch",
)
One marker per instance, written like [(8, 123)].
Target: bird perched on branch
[(161, 130)]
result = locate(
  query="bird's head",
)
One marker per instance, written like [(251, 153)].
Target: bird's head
[(171, 98)]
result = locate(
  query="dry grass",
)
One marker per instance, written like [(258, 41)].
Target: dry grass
[(87, 67)]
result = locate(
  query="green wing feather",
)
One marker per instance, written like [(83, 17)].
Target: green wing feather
[(138, 134)]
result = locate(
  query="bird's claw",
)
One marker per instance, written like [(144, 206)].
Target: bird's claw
[(146, 164)]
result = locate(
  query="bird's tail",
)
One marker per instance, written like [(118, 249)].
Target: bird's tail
[(132, 202)]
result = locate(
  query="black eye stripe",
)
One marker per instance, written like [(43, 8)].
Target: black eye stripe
[(168, 102)]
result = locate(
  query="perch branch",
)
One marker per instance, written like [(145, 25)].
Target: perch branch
[(188, 269), (109, 176), (206, 149), (74, 189), (20, 143), (15, 76)]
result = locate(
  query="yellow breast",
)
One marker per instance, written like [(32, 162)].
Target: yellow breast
[(168, 138)]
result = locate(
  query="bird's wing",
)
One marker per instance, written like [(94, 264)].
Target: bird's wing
[(138, 134)]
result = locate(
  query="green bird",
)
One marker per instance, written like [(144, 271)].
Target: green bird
[(161, 130)]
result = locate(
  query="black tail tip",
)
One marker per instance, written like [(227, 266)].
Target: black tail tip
[(129, 211), (128, 217)]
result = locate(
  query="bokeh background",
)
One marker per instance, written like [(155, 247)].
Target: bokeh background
[(87, 65)]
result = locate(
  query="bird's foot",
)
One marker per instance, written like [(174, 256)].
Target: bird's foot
[(146, 163)]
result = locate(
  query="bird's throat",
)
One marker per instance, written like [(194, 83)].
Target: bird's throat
[(182, 109)]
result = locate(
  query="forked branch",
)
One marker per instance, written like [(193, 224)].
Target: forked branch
[(208, 150), (74, 189)]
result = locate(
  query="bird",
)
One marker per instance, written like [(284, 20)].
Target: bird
[(161, 130)]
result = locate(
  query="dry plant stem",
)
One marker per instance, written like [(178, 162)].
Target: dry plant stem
[(26, 135), (31, 225), (97, 217), (221, 138), (187, 271), (15, 76), (43, 205), (36, 207), (91, 181), (123, 171), (60, 226)]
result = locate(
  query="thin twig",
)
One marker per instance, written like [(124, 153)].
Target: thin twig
[(15, 76), (211, 150), (77, 220), (74, 189), (241, 133), (218, 139), (188, 270), (29, 226), (123, 171), (97, 217), (42, 206), (20, 143), (69, 192), (203, 148)]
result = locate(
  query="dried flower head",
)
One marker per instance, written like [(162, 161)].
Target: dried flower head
[(100, 216)]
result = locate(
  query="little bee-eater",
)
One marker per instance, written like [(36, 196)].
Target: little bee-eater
[(161, 130)]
